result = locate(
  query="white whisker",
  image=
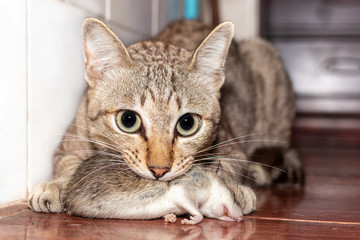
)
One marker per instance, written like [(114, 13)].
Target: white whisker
[(227, 170), (240, 160), (229, 140)]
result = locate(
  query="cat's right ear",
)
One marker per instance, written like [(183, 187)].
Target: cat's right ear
[(102, 50), (210, 57)]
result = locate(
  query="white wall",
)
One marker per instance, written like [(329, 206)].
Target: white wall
[(55, 79), (41, 66), (245, 14), (13, 101)]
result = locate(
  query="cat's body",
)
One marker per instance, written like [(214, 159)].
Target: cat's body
[(160, 86), (103, 187)]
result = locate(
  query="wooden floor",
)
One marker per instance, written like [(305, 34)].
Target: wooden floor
[(328, 207)]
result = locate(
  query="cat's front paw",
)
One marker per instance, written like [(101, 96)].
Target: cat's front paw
[(46, 197), (246, 197)]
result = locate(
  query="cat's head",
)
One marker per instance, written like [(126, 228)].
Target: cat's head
[(156, 104)]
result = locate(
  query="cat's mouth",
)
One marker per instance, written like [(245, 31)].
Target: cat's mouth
[(150, 175), (166, 172), (168, 176), (173, 173)]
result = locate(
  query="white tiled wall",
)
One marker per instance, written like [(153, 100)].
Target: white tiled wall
[(41, 66), (13, 95)]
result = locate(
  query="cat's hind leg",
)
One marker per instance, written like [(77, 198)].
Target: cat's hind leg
[(258, 175), (276, 166), (293, 169), (46, 197)]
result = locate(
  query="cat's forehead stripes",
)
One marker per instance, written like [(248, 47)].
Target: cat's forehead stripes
[(149, 52), (164, 98), (161, 68)]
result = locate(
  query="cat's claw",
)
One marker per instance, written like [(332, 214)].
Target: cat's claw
[(46, 198), (170, 218), (193, 220)]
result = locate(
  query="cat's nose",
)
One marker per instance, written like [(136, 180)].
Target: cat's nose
[(158, 172)]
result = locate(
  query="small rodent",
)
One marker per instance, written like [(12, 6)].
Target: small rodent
[(103, 187)]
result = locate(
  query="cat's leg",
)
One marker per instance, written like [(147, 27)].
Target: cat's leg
[(274, 165), (293, 170), (234, 172), (47, 196), (244, 196), (258, 175), (282, 167)]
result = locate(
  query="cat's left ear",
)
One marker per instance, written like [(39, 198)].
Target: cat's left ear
[(102, 50), (209, 58)]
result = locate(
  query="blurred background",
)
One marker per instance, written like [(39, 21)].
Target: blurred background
[(41, 67)]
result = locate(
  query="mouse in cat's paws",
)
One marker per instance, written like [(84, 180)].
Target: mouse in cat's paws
[(101, 189), (46, 197)]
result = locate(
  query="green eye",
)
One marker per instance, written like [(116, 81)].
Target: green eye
[(128, 121), (188, 124)]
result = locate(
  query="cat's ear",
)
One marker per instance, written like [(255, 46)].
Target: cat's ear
[(102, 50), (209, 58)]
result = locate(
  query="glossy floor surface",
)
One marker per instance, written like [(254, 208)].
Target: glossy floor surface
[(327, 207)]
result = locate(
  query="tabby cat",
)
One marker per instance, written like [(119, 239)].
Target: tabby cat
[(189, 96)]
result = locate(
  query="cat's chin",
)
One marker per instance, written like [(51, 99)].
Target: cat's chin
[(170, 176), (167, 177), (147, 175)]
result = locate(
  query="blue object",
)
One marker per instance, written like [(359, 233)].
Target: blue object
[(191, 9)]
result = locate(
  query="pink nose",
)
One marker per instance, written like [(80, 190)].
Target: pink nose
[(158, 172)]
